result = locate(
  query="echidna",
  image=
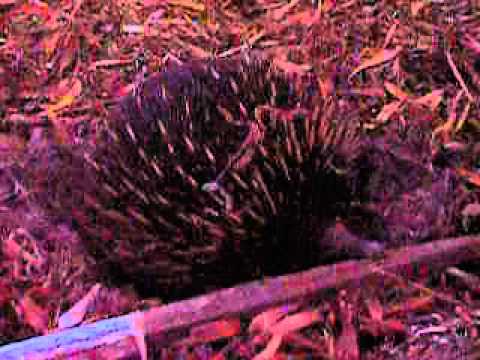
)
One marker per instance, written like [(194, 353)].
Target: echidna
[(211, 173)]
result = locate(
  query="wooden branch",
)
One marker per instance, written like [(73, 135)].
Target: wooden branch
[(171, 322)]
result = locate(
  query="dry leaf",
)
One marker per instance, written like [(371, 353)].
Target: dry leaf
[(381, 56), (105, 63), (472, 43), (138, 332), (394, 326), (264, 321), (280, 13), (421, 303), (198, 52), (446, 128), (390, 34), (50, 43), (6, 292), (471, 176), (193, 5), (389, 110), (77, 312), (417, 6), (271, 348), (325, 6), (67, 99), (346, 346), (255, 37), (370, 91), (458, 76), (291, 68), (33, 314), (431, 100), (213, 331), (439, 329), (463, 117), (395, 91), (295, 322), (375, 309), (471, 210), (135, 29)]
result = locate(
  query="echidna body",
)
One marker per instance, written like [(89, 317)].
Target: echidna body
[(213, 172)]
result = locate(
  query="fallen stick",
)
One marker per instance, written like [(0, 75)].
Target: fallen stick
[(164, 324)]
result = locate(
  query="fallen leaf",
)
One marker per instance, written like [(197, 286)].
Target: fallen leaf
[(271, 348), (380, 57), (213, 331), (472, 43), (471, 210), (77, 312), (265, 320), (417, 6), (421, 303), (135, 29), (346, 346), (66, 99), (325, 6), (295, 322), (50, 43), (106, 63), (388, 111), (254, 38), (395, 91), (278, 14), (196, 6), (431, 100), (390, 34), (198, 52), (292, 68), (440, 329), (33, 314), (458, 76), (471, 176), (139, 332), (375, 309), (394, 326)]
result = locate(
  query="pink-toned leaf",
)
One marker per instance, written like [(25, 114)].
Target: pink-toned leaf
[(50, 43), (375, 309), (193, 5), (394, 326), (215, 330), (458, 76), (390, 34), (33, 314), (472, 43), (395, 91), (271, 348), (65, 99), (471, 176), (106, 63), (388, 111), (77, 312), (291, 68), (280, 13), (138, 330), (380, 57), (417, 6), (265, 320), (431, 100), (295, 322)]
